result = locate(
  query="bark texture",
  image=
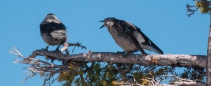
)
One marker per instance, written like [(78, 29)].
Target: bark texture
[(162, 60), (209, 59)]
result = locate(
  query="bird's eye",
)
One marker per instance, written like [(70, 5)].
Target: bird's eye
[(108, 23)]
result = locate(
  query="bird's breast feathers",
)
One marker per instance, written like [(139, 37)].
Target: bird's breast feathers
[(58, 34)]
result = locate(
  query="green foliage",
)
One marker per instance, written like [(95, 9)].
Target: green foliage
[(110, 73), (68, 76), (95, 74), (202, 5), (194, 73), (104, 74)]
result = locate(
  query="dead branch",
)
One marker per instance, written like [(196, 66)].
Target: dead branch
[(45, 68), (185, 82), (179, 82), (37, 66), (162, 60)]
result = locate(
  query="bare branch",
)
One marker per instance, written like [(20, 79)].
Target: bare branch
[(37, 66), (46, 69), (16, 52), (162, 60), (76, 44), (185, 82)]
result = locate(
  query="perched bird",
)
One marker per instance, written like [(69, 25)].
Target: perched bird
[(53, 31), (128, 36)]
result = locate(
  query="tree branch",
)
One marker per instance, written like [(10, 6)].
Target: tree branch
[(185, 82), (48, 69), (162, 60)]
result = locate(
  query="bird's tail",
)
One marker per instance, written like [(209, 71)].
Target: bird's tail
[(154, 48), (157, 51)]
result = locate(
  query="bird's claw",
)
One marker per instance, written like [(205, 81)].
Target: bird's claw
[(122, 52), (46, 48), (57, 50)]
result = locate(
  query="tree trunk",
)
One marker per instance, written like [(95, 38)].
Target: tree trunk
[(209, 58)]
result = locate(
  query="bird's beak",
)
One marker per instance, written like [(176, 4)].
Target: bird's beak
[(101, 26)]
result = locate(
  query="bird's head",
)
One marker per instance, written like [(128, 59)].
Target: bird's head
[(50, 23), (51, 18), (108, 22)]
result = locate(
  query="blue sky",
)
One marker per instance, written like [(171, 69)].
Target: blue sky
[(164, 22)]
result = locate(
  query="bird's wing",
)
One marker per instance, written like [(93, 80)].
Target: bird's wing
[(123, 26), (140, 36), (132, 30)]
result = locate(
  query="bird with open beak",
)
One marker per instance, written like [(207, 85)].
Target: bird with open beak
[(53, 31), (129, 37)]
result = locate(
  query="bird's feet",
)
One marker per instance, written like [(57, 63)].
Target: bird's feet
[(57, 49), (46, 48), (121, 52), (128, 53), (144, 54), (124, 52)]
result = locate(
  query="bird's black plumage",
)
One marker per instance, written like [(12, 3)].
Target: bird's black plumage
[(52, 30), (129, 37)]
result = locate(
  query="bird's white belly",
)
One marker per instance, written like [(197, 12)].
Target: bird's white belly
[(52, 41), (58, 34)]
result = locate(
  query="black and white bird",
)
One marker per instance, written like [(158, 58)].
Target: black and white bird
[(53, 31), (128, 36)]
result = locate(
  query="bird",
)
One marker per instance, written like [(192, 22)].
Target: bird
[(53, 31), (128, 36)]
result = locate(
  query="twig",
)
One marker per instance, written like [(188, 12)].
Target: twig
[(77, 45), (16, 52), (182, 81)]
